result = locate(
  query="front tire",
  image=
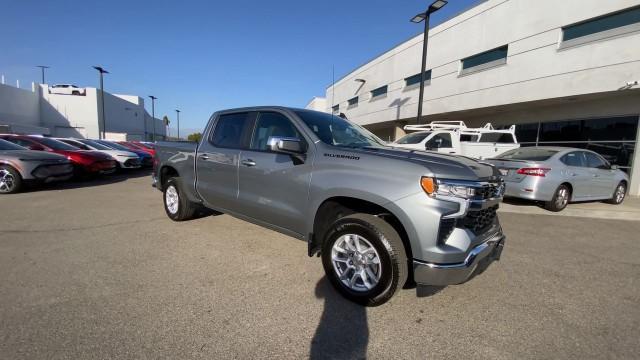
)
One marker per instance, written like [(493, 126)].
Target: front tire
[(10, 180), (560, 199), (176, 204), (618, 194), (364, 259)]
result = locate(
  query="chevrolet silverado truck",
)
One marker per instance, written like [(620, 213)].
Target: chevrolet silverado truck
[(381, 218)]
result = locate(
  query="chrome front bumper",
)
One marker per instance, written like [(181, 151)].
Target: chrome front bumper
[(477, 261)]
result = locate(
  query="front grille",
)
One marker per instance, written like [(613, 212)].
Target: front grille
[(481, 220), (489, 191)]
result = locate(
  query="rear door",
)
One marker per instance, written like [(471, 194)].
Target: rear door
[(218, 158), (578, 174), (274, 186), (603, 179)]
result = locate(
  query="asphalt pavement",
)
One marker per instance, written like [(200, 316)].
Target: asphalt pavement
[(95, 270)]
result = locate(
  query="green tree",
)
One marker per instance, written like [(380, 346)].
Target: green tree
[(165, 120), (195, 137)]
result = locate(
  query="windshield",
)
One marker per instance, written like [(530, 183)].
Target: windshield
[(415, 138), (55, 144), (5, 145), (114, 146), (531, 153), (94, 144), (336, 131)]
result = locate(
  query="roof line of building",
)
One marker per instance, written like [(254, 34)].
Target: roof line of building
[(449, 18)]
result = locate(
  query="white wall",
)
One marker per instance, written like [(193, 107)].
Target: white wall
[(70, 115), (536, 68), (317, 104), (19, 107)]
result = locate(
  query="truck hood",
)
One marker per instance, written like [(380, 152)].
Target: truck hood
[(442, 165), (33, 155)]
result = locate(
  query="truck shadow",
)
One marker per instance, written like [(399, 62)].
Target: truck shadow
[(343, 332)]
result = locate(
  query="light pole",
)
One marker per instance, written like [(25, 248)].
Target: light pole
[(153, 115), (178, 118), (42, 67), (425, 16), (102, 71)]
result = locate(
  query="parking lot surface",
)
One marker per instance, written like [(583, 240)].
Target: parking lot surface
[(97, 270)]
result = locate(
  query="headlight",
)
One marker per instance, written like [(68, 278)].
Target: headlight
[(433, 188)]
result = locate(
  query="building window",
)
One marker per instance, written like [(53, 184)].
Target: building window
[(602, 27), (336, 108), (353, 101), (381, 91), (614, 138), (485, 60), (415, 79)]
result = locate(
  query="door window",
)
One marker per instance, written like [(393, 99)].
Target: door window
[(595, 161), (229, 130), (440, 141), (574, 159), (271, 124)]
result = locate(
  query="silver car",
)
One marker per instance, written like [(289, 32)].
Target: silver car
[(19, 165), (559, 175)]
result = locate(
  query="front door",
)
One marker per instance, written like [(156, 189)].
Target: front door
[(218, 159), (603, 179), (274, 186), (441, 142)]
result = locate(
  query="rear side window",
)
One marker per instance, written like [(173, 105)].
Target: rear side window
[(229, 130), (271, 124), (574, 159), (497, 138)]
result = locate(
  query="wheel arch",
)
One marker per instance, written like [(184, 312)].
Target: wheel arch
[(166, 172), (336, 207)]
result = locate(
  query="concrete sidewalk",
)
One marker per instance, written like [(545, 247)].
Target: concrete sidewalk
[(628, 210)]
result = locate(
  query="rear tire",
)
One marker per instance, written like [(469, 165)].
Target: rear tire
[(619, 194), (176, 204), (560, 199), (364, 259), (10, 180)]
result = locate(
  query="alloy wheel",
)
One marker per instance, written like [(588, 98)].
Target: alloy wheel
[(562, 198), (620, 193), (172, 199), (7, 182), (356, 262)]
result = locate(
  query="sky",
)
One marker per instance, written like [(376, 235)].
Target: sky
[(203, 56)]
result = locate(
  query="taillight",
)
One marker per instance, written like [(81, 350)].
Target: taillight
[(533, 171)]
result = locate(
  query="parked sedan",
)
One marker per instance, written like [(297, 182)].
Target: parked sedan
[(19, 165), (84, 162), (125, 159), (559, 175), (145, 157)]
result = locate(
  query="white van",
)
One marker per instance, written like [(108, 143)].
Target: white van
[(454, 137)]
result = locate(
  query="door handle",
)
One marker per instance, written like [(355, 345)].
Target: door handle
[(248, 162), (204, 157)]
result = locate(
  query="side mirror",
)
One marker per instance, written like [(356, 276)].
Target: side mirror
[(285, 145)]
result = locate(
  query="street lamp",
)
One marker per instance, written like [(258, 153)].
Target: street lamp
[(153, 115), (42, 67), (178, 118), (102, 71), (425, 16)]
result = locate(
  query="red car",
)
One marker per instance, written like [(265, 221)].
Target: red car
[(84, 162), (138, 146)]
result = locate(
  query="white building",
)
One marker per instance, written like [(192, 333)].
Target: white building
[(39, 111), (564, 72)]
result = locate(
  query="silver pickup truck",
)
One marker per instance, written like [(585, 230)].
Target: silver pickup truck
[(381, 218)]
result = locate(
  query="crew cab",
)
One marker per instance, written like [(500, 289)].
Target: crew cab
[(454, 137), (332, 183)]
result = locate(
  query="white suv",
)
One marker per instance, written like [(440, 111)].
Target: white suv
[(66, 89)]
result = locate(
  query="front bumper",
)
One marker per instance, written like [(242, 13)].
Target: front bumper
[(478, 259)]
